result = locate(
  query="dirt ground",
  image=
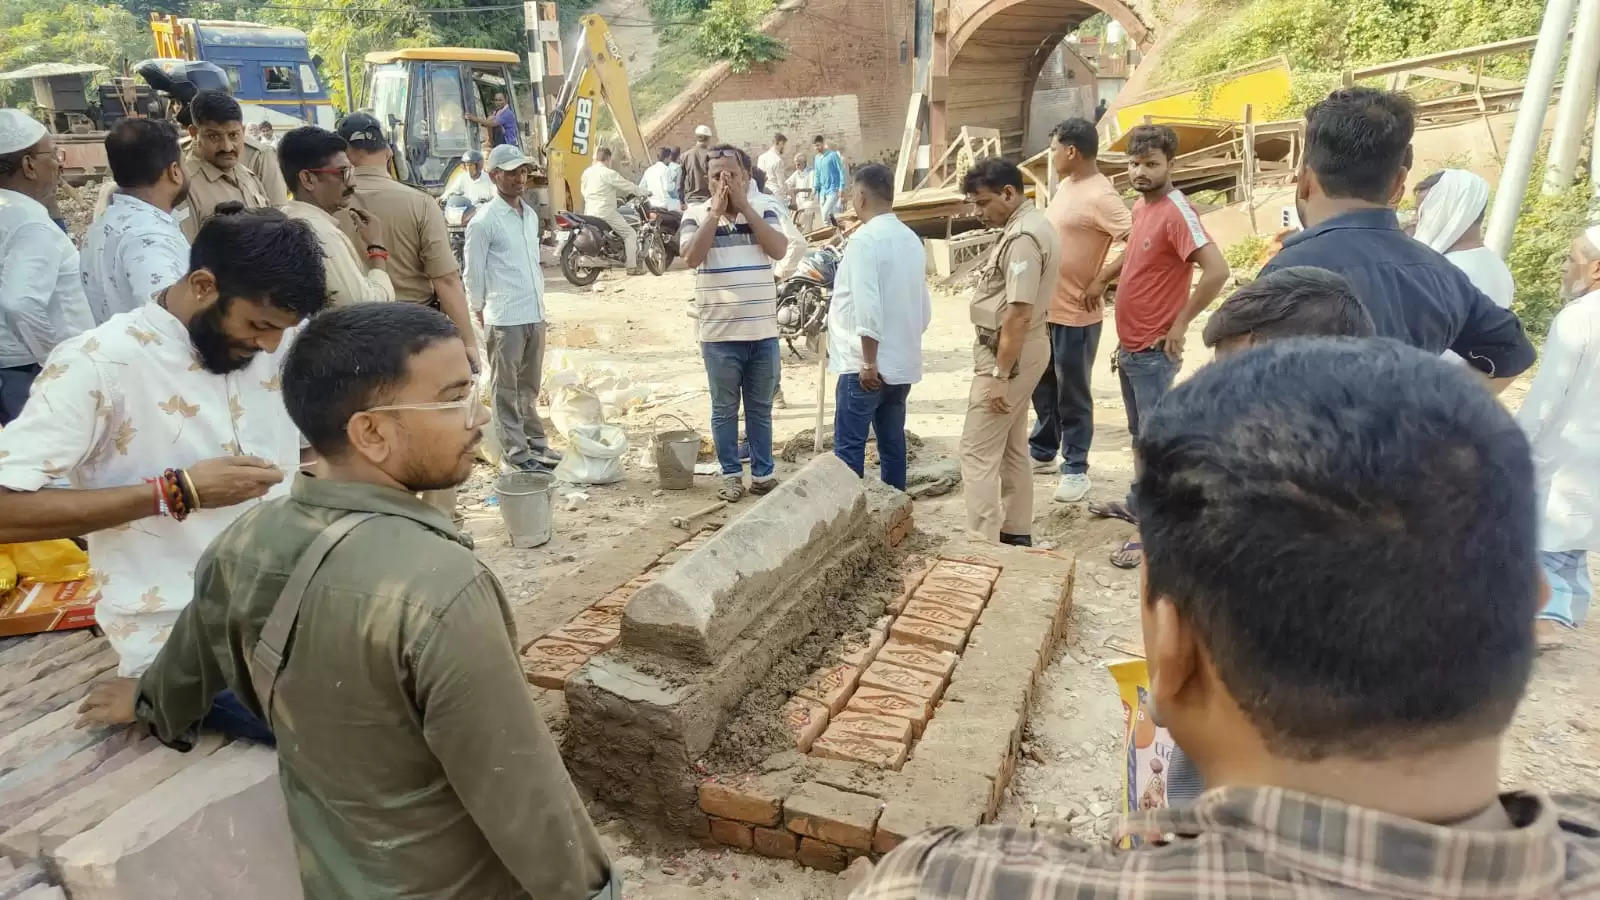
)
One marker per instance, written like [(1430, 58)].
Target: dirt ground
[(1067, 778)]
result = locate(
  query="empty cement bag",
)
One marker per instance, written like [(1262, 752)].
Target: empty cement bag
[(594, 455)]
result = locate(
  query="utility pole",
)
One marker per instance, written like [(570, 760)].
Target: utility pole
[(1577, 90), (1594, 155), (1530, 123)]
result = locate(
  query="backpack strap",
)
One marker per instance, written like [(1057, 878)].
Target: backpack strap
[(267, 656)]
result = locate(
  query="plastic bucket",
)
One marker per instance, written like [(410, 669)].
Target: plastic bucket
[(676, 452), (525, 506)]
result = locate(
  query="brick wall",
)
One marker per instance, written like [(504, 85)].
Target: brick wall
[(839, 53)]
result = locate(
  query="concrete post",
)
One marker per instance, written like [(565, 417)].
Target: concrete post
[(1577, 90), (1530, 123)]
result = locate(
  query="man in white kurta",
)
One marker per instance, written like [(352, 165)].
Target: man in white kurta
[(1561, 415), (189, 381), (602, 190)]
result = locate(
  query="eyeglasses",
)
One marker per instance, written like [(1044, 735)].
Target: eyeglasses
[(342, 172), (723, 154), (468, 405), (59, 153)]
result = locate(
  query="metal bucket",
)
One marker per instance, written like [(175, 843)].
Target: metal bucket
[(525, 506), (676, 452)]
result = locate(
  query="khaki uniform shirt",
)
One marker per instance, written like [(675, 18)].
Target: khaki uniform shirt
[(413, 760), (1020, 268), (209, 186), (262, 160), (349, 279), (413, 231)]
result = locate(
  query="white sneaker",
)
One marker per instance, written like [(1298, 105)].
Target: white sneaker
[(1045, 466), (1072, 488)]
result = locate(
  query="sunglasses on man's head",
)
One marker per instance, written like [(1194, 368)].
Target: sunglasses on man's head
[(724, 154)]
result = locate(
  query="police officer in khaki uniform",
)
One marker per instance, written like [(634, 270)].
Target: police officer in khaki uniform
[(215, 162), (262, 161), (420, 262), (1010, 301)]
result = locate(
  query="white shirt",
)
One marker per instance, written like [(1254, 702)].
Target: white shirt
[(1561, 415), (776, 167), (478, 190), (602, 188), (502, 272), (881, 292), (660, 184), (120, 403), (1487, 272), (803, 180), (131, 252), (41, 292), (349, 279)]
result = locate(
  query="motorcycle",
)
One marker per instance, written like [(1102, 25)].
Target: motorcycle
[(658, 238), (803, 298), (458, 211), (592, 245)]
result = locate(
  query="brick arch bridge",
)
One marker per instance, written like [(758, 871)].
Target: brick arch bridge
[(987, 55)]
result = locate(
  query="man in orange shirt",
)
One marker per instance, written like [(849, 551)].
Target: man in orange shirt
[(1089, 216)]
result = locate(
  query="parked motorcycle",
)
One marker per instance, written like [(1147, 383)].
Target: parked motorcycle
[(458, 211), (803, 298), (592, 245), (658, 238)]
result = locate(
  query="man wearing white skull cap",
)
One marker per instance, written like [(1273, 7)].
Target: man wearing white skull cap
[(41, 294)]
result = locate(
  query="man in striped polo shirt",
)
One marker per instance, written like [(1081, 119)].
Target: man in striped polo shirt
[(731, 240)]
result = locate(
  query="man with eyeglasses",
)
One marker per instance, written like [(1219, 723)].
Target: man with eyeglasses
[(413, 760), (41, 295), (321, 181)]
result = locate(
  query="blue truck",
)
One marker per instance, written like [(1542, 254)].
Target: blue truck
[(270, 69)]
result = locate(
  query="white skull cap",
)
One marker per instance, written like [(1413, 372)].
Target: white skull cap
[(18, 130)]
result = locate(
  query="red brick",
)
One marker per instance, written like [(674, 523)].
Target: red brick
[(805, 719), (734, 834), (931, 610), (829, 814), (890, 677), (822, 855), (832, 686), (596, 637), (915, 571), (897, 534), (617, 599), (928, 634), (856, 748), (921, 658), (548, 662), (898, 603), (599, 617), (917, 710), (967, 570), (778, 843), (872, 725), (858, 653), (944, 581), (743, 799)]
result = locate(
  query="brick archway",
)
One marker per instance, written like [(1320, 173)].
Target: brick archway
[(988, 53)]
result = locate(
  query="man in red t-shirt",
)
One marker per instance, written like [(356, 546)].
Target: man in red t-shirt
[(1155, 302)]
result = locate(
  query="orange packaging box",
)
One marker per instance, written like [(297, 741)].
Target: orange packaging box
[(32, 607)]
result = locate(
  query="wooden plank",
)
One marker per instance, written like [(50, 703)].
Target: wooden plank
[(905, 165), (1467, 78)]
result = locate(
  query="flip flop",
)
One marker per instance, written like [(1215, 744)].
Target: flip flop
[(1112, 509), (1129, 556)]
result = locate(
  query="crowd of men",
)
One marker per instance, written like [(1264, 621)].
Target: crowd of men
[(1352, 550)]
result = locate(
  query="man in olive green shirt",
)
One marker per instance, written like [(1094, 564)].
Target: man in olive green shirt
[(412, 757)]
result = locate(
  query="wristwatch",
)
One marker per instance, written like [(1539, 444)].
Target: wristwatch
[(998, 375)]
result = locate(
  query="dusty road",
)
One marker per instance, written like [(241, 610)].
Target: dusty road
[(1068, 775)]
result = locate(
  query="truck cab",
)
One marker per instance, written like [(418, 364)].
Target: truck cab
[(424, 95), (269, 68)]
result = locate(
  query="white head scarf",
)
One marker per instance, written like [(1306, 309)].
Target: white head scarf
[(1450, 208), (18, 131), (1592, 233)]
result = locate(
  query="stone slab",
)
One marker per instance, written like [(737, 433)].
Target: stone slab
[(695, 609), (21, 674), (18, 880), (88, 805), (42, 892), (829, 814), (217, 829), (35, 784)]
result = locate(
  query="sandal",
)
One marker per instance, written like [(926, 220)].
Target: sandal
[(732, 488), (763, 486), (1129, 556), (1113, 509)]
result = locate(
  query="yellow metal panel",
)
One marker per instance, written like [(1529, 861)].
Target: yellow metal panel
[(1266, 85), (571, 147), (444, 54)]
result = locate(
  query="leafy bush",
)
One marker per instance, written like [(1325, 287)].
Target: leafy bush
[(730, 30), (1246, 256)]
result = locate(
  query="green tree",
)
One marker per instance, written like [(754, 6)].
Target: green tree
[(730, 30), (71, 31)]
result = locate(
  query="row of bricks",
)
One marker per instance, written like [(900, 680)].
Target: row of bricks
[(549, 661), (816, 824), (873, 705)]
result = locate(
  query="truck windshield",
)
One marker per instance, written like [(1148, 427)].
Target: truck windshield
[(389, 94)]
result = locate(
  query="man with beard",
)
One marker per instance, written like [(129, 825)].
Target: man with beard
[(168, 422), (136, 249), (322, 181), (216, 177), (413, 759)]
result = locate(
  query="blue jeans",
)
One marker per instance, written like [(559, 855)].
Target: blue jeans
[(1062, 402), (231, 718), (884, 410), (748, 371), (1570, 589), (1146, 377)]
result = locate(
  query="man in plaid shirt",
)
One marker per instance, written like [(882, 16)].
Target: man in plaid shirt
[(1338, 614)]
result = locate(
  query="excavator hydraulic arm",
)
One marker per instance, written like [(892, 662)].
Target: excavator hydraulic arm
[(597, 76)]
